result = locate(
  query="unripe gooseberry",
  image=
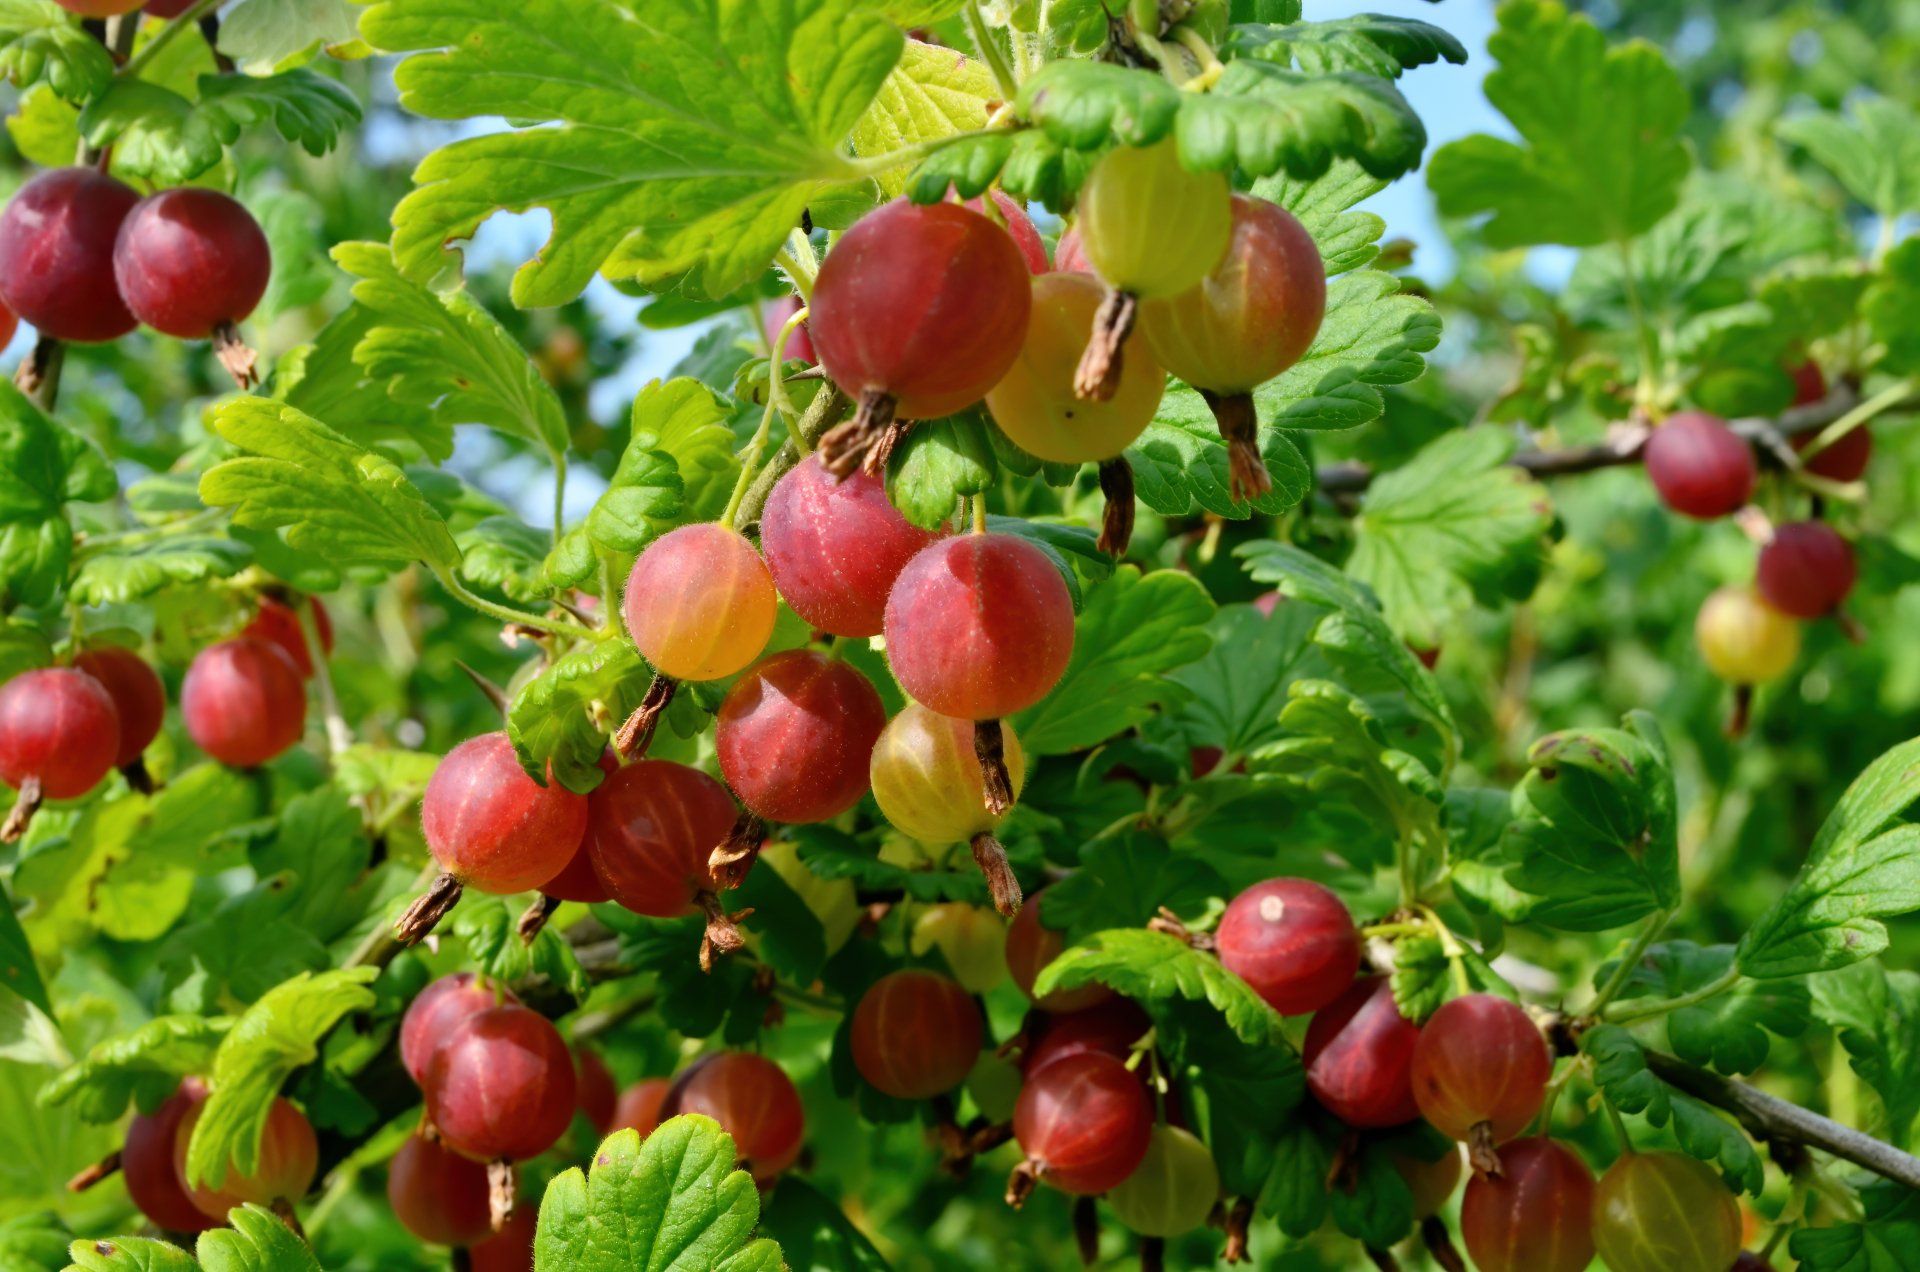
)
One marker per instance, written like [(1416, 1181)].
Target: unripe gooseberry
[(56, 253), (1480, 1072), (1035, 404), (1700, 467), (1293, 941), (59, 735), (979, 626), (501, 1087), (754, 1101), (1359, 1057), (699, 603), (1084, 1123), (438, 1195), (651, 828), (511, 1248), (289, 1158), (994, 1085), (1806, 570), (1148, 224), (139, 699), (795, 736), (639, 1106), (926, 776), (835, 548), (971, 938), (1172, 1190), (1031, 945), (1111, 1028), (1536, 1216), (492, 827), (243, 702), (1664, 1212), (277, 623), (191, 262), (435, 1010), (915, 1034), (147, 1163), (1743, 640), (596, 1095)]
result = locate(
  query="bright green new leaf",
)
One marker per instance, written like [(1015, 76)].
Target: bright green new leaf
[(131, 1254), (121, 575), (257, 1241), (1600, 158), (40, 41), (324, 381), (1261, 118), (1153, 967), (937, 464), (267, 34), (668, 161), (675, 1200), (490, 927), (1876, 1013), (42, 468), (507, 555), (934, 92), (562, 716), (1873, 150), (1369, 42), (305, 107)]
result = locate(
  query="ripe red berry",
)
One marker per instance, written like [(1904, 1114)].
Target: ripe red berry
[(1537, 1216), (651, 829), (1806, 570), (799, 343), (915, 1034), (1748, 1261), (243, 702), (9, 324), (289, 1158), (1293, 941), (1359, 1057), (501, 1086), (492, 827), (435, 1010), (754, 1101), (1031, 945), (139, 699), (167, 8), (277, 623), (1664, 1212), (979, 626), (59, 734), (597, 1096), (191, 262), (100, 8), (1701, 467), (1844, 460), (511, 1248), (1084, 1123), (835, 549), (1019, 227), (56, 254), (699, 603), (1480, 1072), (438, 1195), (639, 1106), (146, 1163), (1809, 382), (577, 880), (795, 737), (918, 310), (1109, 1028)]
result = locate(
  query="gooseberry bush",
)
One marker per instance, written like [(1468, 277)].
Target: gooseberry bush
[(1097, 706)]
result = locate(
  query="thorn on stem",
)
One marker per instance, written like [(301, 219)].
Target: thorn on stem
[(494, 693)]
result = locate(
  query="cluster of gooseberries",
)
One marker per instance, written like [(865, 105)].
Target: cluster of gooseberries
[(1749, 634), (85, 259), (153, 1161), (243, 700)]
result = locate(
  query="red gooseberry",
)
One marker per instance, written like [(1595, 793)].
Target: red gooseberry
[(491, 826), (835, 549), (699, 603), (597, 1096), (1019, 227), (501, 1086), (1293, 941), (1359, 1057), (752, 1099), (438, 1195), (639, 1106), (192, 263), (510, 1249), (1806, 570), (1843, 460), (1109, 1028), (289, 1158), (915, 1034), (1536, 1216), (139, 698), (651, 828), (1031, 945), (56, 254), (435, 1010), (1084, 1123), (1480, 1072), (147, 1163), (277, 623), (795, 736), (59, 734), (799, 343), (1700, 467), (243, 702)]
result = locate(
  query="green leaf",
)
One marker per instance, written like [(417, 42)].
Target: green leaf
[(1133, 630), (1595, 832), (1729, 1031), (1347, 239), (323, 380), (1453, 526), (1370, 42), (317, 860), (669, 161), (562, 716), (489, 926), (1861, 868), (1874, 151), (1876, 1013), (674, 1200), (40, 41), (934, 92), (1154, 967), (304, 106), (269, 33), (814, 1234), (1180, 462), (1602, 158), (1261, 118), (333, 498), (1234, 694), (267, 1043), (1620, 1069), (17, 968), (117, 576), (1424, 977), (154, 132), (507, 555), (1372, 337), (833, 854), (131, 1254), (1124, 881), (443, 352), (258, 1241), (1892, 308), (42, 467), (143, 1066), (937, 464), (1295, 1192), (1884, 1243), (1091, 105)]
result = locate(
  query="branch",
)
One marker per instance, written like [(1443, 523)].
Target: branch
[(1769, 1118)]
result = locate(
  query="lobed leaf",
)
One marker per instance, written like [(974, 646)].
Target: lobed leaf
[(1153, 967)]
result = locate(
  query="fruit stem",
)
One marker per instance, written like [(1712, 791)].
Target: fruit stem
[(1001, 883), (634, 736), (979, 502), (990, 748), (39, 373), (506, 614), (25, 804), (339, 735), (1116, 522), (534, 920), (990, 52), (87, 1178), (432, 906), (1098, 375), (188, 20), (1086, 1231), (1439, 1243), (1623, 971), (1618, 1123), (1247, 475), (1021, 1182)]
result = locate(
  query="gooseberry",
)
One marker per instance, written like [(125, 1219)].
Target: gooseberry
[(59, 734), (1293, 941), (500, 1087), (596, 1096), (1664, 1212), (1019, 227), (511, 1248), (699, 603), (915, 1034), (639, 1106), (243, 702), (1843, 460), (1809, 382), (928, 781), (1172, 1190), (1806, 569), (1068, 256), (56, 254), (435, 1010), (979, 626), (289, 1158), (192, 263), (971, 938), (1430, 1182), (1536, 1216), (651, 827), (1109, 1028), (9, 324), (167, 8), (1480, 1072), (139, 699), (147, 1163), (835, 549), (917, 311), (1084, 1123), (799, 343), (577, 880), (1743, 640), (1700, 467), (1359, 1056), (277, 623), (1031, 945), (753, 1100), (100, 8), (795, 736), (438, 1195)]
